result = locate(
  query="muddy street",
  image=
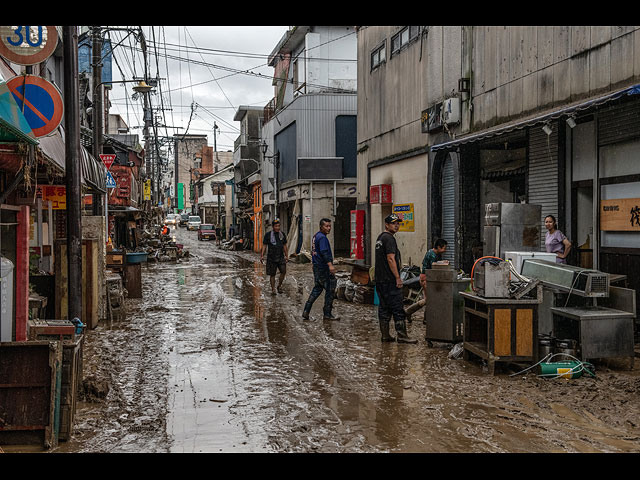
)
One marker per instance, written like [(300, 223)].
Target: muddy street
[(210, 361)]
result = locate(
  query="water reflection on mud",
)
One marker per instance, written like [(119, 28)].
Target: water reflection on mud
[(210, 361)]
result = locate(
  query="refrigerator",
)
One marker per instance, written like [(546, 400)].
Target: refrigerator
[(511, 227)]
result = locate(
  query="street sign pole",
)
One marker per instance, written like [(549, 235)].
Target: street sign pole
[(108, 160)]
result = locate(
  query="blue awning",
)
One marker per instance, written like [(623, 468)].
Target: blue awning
[(13, 125)]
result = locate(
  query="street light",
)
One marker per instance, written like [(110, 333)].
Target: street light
[(276, 164), (142, 87)]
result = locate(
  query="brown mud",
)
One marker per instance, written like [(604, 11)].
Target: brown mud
[(210, 361)]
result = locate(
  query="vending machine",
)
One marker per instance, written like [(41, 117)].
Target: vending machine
[(357, 234)]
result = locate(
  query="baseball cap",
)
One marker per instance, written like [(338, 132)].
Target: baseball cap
[(392, 218)]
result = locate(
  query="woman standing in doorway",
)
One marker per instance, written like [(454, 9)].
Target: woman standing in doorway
[(555, 241)]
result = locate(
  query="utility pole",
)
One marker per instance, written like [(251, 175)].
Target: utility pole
[(97, 96), (72, 170), (215, 149)]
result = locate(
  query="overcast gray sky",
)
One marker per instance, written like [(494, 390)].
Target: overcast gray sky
[(202, 64)]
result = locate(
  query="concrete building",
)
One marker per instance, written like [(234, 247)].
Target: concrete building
[(211, 196), (309, 162), (400, 72), (546, 115), (247, 182), (185, 149)]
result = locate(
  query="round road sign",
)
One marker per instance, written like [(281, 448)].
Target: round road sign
[(27, 45), (40, 102)]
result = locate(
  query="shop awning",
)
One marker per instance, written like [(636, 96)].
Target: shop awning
[(13, 125), (520, 124), (93, 172)]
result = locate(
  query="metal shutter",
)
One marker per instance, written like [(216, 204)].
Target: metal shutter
[(449, 210), (619, 123), (543, 173)]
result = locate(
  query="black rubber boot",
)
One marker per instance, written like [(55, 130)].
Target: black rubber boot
[(384, 328), (401, 332), (330, 317), (306, 311)]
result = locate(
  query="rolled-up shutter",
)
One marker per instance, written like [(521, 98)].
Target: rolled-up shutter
[(543, 173), (619, 123), (449, 210)]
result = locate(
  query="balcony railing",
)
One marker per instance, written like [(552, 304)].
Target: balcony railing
[(269, 110), (241, 141)]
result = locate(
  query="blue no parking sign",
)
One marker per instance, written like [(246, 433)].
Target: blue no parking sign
[(40, 102)]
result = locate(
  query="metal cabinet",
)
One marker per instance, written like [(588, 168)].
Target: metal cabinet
[(444, 307)]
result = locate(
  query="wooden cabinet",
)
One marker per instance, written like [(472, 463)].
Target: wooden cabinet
[(500, 329), (90, 286)]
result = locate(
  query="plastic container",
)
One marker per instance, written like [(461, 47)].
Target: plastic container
[(565, 369), (137, 257)]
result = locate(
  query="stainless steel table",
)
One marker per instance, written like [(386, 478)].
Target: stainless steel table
[(602, 332)]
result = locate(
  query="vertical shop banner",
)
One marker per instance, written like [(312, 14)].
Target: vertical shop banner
[(181, 196), (147, 190), (405, 212)]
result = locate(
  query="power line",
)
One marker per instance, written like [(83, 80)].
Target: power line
[(229, 53), (236, 71), (218, 83)]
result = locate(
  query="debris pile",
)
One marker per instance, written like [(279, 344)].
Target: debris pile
[(349, 290), (162, 248)]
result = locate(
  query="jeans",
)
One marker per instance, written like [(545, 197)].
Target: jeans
[(324, 280)]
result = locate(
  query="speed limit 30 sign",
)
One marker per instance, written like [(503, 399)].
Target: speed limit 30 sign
[(27, 45)]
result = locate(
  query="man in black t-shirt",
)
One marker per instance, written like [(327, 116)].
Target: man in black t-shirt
[(389, 284), (275, 244)]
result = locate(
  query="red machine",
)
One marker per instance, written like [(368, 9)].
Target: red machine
[(357, 234)]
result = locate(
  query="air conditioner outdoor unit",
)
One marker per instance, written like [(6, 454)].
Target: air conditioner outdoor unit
[(451, 111)]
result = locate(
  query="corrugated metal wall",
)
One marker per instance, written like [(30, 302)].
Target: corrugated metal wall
[(543, 173)]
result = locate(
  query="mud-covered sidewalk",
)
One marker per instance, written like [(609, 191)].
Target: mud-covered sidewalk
[(210, 361)]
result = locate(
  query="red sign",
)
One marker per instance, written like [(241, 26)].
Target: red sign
[(56, 194), (380, 194), (107, 159), (374, 194), (27, 45), (124, 185), (385, 194)]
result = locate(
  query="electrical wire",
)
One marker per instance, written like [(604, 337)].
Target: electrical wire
[(474, 266), (580, 367)]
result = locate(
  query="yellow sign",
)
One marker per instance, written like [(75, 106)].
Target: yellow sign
[(405, 212), (620, 215), (56, 194), (147, 190)]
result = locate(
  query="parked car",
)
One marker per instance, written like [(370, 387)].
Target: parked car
[(206, 231), (171, 219), (183, 218), (194, 222)]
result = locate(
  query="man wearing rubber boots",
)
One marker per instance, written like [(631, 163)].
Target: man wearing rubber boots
[(323, 272), (274, 244), (389, 283)]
